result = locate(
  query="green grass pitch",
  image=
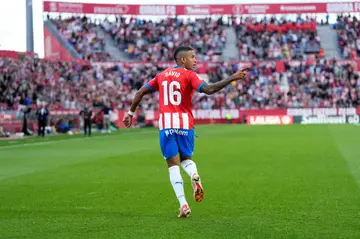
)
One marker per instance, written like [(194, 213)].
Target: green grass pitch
[(296, 181)]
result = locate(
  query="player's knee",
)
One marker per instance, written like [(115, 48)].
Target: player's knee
[(183, 158), (173, 161)]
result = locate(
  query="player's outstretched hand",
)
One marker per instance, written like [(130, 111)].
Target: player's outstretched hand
[(127, 120), (241, 74)]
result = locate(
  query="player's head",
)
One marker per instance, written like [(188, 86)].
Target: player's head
[(185, 56)]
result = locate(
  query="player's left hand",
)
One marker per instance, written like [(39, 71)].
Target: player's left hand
[(127, 120)]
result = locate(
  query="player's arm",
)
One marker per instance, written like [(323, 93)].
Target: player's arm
[(146, 89), (138, 97), (210, 89)]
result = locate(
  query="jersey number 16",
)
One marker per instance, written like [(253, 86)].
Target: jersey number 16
[(170, 91)]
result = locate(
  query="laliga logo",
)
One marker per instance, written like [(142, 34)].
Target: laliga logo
[(238, 9), (286, 119)]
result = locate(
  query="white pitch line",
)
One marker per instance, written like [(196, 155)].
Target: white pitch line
[(69, 139)]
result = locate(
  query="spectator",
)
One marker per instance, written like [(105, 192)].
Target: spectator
[(277, 39), (106, 115), (66, 85), (3, 133), (42, 114), (82, 34), (147, 41), (348, 30)]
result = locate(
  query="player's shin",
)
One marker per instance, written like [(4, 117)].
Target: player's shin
[(177, 184), (189, 167)]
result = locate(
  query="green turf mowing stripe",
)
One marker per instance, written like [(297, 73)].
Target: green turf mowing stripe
[(260, 182), (34, 141), (347, 140)]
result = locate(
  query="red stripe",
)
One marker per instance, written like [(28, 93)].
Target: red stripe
[(171, 120), (162, 121), (181, 121)]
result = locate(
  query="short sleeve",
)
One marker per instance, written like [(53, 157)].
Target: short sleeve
[(153, 85), (196, 81)]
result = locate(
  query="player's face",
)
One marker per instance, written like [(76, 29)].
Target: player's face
[(190, 60)]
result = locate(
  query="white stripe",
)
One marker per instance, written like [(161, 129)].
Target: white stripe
[(94, 137), (167, 120), (176, 120), (185, 118), (161, 122)]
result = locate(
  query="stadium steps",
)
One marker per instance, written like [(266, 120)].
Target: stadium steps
[(55, 33), (231, 51), (284, 83), (111, 48), (328, 40)]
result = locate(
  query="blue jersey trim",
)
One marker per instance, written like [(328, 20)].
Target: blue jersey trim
[(177, 66), (150, 88), (201, 85)]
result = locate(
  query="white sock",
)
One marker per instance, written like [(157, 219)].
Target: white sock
[(189, 167), (177, 184)]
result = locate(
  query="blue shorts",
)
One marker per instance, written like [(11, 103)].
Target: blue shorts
[(175, 141)]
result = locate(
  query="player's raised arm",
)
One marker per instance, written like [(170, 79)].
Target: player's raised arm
[(210, 89), (146, 89)]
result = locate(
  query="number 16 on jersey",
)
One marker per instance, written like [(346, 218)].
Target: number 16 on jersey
[(171, 92)]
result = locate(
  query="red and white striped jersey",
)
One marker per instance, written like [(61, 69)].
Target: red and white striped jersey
[(176, 87)]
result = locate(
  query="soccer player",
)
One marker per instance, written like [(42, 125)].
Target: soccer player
[(176, 86)]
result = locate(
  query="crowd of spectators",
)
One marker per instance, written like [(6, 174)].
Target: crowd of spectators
[(324, 83), (275, 39), (262, 89), (67, 85), (154, 41), (82, 34), (348, 29)]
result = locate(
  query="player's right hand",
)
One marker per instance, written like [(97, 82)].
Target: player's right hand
[(240, 75), (127, 120)]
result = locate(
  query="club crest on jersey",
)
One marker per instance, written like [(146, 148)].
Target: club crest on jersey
[(172, 73)]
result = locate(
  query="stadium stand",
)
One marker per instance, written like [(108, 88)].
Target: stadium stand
[(103, 61), (277, 39), (81, 33), (325, 83), (154, 41), (145, 40), (348, 29)]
